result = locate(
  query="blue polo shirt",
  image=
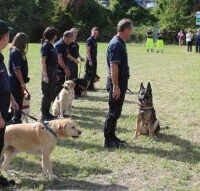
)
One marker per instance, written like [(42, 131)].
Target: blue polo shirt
[(116, 53), (74, 49), (63, 49), (92, 43), (4, 78), (18, 61), (48, 51)]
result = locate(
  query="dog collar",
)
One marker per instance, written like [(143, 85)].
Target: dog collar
[(148, 108), (46, 125)]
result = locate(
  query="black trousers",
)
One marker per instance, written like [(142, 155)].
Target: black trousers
[(115, 109), (18, 94), (197, 47), (91, 71), (73, 67), (4, 106), (48, 91), (189, 46)]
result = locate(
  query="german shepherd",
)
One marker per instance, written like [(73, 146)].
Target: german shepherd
[(147, 123)]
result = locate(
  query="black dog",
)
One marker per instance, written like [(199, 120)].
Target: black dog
[(81, 87)]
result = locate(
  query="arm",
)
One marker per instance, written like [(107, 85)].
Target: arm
[(20, 78), (89, 55), (115, 80), (13, 103), (44, 70), (2, 122), (72, 58), (63, 66)]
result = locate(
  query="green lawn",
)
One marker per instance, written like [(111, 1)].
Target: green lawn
[(173, 163)]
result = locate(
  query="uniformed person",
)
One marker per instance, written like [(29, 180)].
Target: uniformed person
[(6, 98), (117, 83), (149, 42), (74, 52), (49, 64), (18, 69), (91, 63), (160, 42), (62, 49)]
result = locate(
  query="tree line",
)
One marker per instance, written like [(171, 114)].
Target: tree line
[(33, 16)]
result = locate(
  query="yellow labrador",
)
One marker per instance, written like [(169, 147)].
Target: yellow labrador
[(63, 102), (37, 138)]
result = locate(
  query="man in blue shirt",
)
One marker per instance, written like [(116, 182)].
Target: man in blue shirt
[(117, 83), (62, 49), (91, 63), (6, 98)]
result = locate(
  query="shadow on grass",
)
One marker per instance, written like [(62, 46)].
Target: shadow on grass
[(70, 184), (59, 169), (187, 152)]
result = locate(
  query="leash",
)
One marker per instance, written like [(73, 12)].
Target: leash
[(46, 124), (79, 75), (131, 92)]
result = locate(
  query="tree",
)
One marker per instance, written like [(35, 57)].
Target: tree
[(175, 14)]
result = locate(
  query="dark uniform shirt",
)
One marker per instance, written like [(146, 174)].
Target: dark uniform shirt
[(4, 79), (117, 53), (149, 34), (63, 49), (74, 49), (160, 36), (92, 43), (17, 60), (48, 51)]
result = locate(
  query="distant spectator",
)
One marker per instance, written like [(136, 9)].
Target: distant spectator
[(181, 37), (160, 42), (189, 40), (198, 41), (149, 42)]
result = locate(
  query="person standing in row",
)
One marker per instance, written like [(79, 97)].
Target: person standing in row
[(91, 63), (62, 49), (189, 40), (181, 37), (149, 42), (160, 42), (6, 98), (18, 68), (117, 83), (198, 41), (74, 52), (49, 64)]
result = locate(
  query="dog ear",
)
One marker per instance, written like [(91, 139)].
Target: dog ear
[(149, 87), (141, 86)]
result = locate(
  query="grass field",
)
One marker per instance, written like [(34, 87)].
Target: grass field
[(173, 163)]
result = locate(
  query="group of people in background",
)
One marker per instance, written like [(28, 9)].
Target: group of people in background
[(189, 38), (60, 62), (150, 41)]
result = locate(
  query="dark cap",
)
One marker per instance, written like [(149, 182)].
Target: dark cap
[(68, 34), (4, 28)]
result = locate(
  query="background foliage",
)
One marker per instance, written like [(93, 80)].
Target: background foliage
[(33, 16)]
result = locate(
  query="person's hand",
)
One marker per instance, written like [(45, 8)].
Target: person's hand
[(14, 105), (116, 92), (90, 62), (82, 59), (23, 87), (2, 122), (76, 61), (45, 78)]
